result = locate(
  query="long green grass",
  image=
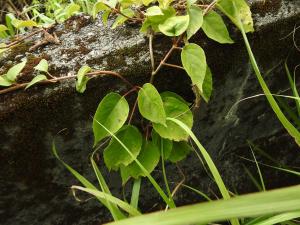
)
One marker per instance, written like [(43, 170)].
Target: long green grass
[(282, 202)]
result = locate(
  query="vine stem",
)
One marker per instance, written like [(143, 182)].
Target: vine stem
[(117, 11), (210, 7), (56, 79), (132, 112), (173, 65), (25, 37), (167, 56), (151, 51)]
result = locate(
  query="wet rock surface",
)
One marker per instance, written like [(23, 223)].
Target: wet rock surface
[(34, 186)]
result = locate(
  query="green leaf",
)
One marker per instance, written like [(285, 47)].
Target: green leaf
[(147, 2), (2, 48), (105, 16), (215, 28), (42, 66), (190, 3), (23, 23), (148, 157), (196, 20), (176, 109), (3, 28), (154, 11), (112, 112), (129, 3), (174, 95), (14, 71), (112, 3), (165, 145), (46, 20), (151, 105), (194, 62), (82, 79), (243, 13), (207, 86), (179, 151), (122, 19), (164, 3), (5, 82), (71, 9), (98, 7), (174, 26), (115, 155), (8, 19), (154, 21), (35, 80), (168, 201)]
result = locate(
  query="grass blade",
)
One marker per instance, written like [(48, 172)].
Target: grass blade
[(99, 194), (168, 201), (251, 205), (196, 191), (280, 218), (275, 167), (252, 178), (134, 202), (293, 87), (212, 167), (259, 171), (116, 213), (285, 122), (114, 210)]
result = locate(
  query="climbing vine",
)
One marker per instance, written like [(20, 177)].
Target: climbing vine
[(179, 20)]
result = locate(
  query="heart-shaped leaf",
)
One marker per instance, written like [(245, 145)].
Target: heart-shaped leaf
[(42, 66), (174, 95), (194, 62), (129, 13), (196, 20), (174, 26), (71, 9), (147, 2), (237, 10), (3, 28), (215, 28), (98, 7), (82, 79), (115, 155), (148, 157), (151, 105), (154, 11), (23, 23), (179, 151), (176, 109), (4, 82), (165, 145), (155, 20), (14, 71), (207, 86), (35, 80), (112, 113)]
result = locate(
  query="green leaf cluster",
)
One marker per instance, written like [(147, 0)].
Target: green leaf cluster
[(112, 114)]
